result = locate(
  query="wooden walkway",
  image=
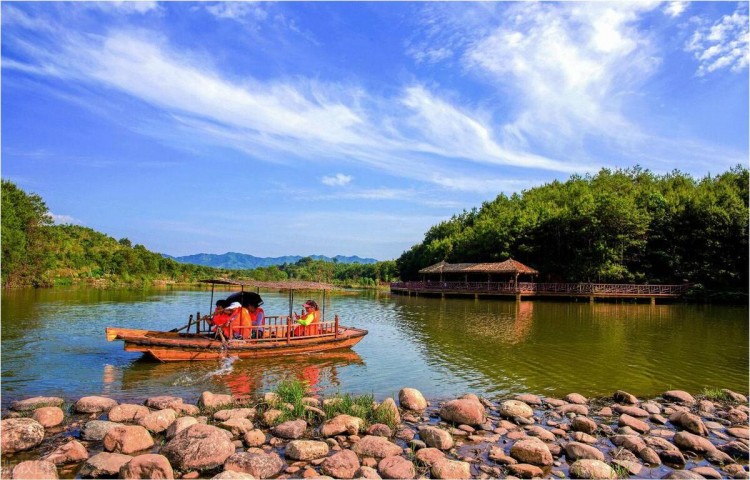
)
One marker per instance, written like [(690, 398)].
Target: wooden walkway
[(531, 289)]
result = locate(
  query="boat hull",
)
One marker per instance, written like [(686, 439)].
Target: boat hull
[(175, 347)]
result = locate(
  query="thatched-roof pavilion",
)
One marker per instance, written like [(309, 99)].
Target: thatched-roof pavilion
[(509, 268)]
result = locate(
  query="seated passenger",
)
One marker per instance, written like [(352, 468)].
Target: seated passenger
[(220, 318), (239, 319), (309, 322), (257, 316)]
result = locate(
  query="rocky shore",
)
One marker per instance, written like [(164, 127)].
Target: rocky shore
[(672, 436)]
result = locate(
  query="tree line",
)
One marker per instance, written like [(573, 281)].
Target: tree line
[(621, 226), (35, 252)]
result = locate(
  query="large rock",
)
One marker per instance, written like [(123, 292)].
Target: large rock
[(575, 451), (525, 470), (164, 401), (531, 450), (292, 429), (34, 469), (127, 439), (389, 406), (20, 434), (396, 467), (95, 430), (624, 397), (104, 465), (211, 400), (380, 429), (583, 424), (254, 438), (198, 447), (412, 399), (159, 420), (378, 447), (591, 469), (306, 450), (436, 437), (737, 449), (541, 433), (179, 425), (515, 408), (463, 411), (259, 465), (149, 465), (450, 469), (128, 412), (631, 410), (71, 452), (48, 416), (679, 396), (342, 424), (573, 408), (690, 422), (734, 396), (224, 415), (343, 464), (367, 472), (94, 404), (529, 399), (428, 456), (237, 426), (632, 443), (626, 420), (576, 398), (31, 404), (232, 475), (693, 443)]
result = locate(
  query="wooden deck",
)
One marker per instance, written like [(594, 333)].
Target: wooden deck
[(532, 289)]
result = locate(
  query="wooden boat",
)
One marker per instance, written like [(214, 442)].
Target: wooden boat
[(277, 338)]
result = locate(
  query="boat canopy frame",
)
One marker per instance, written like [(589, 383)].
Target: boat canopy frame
[(291, 286)]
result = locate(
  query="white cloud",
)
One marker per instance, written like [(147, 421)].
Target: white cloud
[(239, 11), (722, 45), (675, 9), (337, 180), (569, 63), (64, 219)]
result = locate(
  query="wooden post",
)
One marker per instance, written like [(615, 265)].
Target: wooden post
[(336, 326), (591, 299), (288, 330), (198, 322), (190, 324), (653, 300)]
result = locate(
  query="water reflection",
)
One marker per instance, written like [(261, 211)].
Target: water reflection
[(238, 377)]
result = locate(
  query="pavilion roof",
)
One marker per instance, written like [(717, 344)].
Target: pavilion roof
[(508, 266)]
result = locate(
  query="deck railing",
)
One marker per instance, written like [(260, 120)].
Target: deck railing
[(280, 326), (532, 288)]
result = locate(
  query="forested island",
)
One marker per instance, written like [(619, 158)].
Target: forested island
[(37, 253), (622, 226)]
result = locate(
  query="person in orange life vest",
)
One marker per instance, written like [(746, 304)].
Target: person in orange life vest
[(220, 319), (257, 316), (309, 321), (239, 319)]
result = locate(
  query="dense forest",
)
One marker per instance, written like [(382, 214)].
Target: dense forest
[(616, 226), (37, 253)]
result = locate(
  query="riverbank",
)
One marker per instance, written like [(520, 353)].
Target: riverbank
[(285, 434)]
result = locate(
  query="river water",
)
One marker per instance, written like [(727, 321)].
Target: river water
[(53, 343)]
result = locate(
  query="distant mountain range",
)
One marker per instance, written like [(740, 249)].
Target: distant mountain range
[(234, 260)]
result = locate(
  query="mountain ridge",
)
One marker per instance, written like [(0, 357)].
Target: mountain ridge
[(236, 260)]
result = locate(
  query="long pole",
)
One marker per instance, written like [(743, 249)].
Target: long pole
[(211, 307), (323, 313)]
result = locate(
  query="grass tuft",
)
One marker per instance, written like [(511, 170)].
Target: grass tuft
[(620, 471), (716, 394)]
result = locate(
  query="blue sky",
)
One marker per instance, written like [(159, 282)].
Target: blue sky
[(351, 128)]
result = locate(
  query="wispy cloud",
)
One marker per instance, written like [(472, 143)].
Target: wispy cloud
[(291, 115), (721, 45), (65, 219), (239, 11), (675, 9), (336, 180)]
